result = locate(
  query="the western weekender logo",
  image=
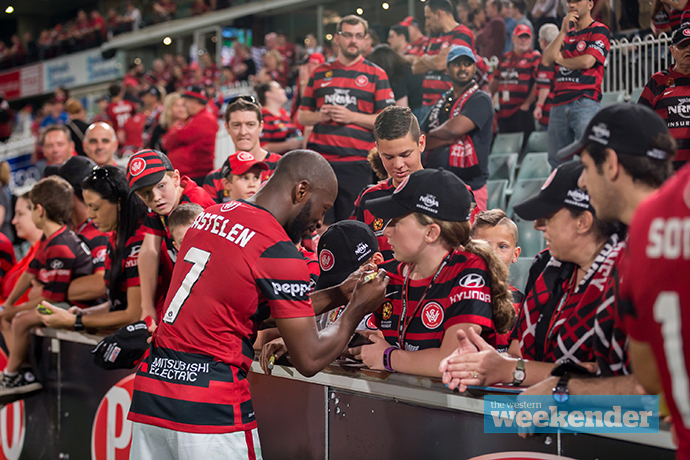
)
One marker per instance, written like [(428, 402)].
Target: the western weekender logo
[(581, 414)]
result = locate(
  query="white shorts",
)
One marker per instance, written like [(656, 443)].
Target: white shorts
[(155, 443)]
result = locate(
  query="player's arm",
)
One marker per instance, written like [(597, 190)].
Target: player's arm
[(149, 260), (644, 363), (585, 61), (285, 146), (345, 116), (311, 350), (530, 98), (23, 284), (436, 62), (87, 287), (554, 49), (309, 118), (619, 385)]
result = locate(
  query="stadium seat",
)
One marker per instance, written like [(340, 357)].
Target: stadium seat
[(538, 141), (496, 189), (507, 143), (519, 271), (503, 167), (535, 166), (530, 240), (612, 98), (635, 95), (525, 188)]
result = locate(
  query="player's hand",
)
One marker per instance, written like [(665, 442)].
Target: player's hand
[(474, 357), (274, 348), (368, 296), (543, 388), (524, 107), (152, 326), (538, 113), (58, 318), (569, 21), (325, 113), (372, 355), (347, 286)]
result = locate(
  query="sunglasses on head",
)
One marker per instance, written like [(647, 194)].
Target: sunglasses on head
[(99, 173), (250, 99)]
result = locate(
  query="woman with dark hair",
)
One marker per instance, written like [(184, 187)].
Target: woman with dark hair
[(406, 86), (565, 288), (112, 209), (444, 283)]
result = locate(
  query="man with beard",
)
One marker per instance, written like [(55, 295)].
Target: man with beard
[(459, 127), (667, 92), (341, 102), (204, 341)]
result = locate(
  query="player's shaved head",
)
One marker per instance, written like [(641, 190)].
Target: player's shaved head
[(305, 165)]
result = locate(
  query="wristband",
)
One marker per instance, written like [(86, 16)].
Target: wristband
[(387, 358), (78, 325), (540, 105)]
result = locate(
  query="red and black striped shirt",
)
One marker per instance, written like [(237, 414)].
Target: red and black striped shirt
[(461, 294), (437, 82), (668, 94), (58, 260), (97, 241), (277, 128), (7, 257), (574, 84), (195, 377), (362, 87), (545, 79), (363, 214), (516, 76), (213, 183), (418, 48)]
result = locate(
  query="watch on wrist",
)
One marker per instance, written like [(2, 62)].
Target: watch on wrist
[(78, 325), (387, 358), (560, 392), (519, 372)]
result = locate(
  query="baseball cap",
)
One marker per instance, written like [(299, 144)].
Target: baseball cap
[(522, 29), (146, 168), (75, 170), (626, 128), (681, 34), (342, 249), (152, 90), (458, 50), (434, 192), (239, 163), (560, 190), (313, 58), (122, 349), (409, 21), (195, 92)]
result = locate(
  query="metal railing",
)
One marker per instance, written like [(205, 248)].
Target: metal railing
[(631, 63)]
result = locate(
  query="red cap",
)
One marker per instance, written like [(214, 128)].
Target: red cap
[(146, 168), (316, 58), (240, 162), (408, 21), (522, 29)]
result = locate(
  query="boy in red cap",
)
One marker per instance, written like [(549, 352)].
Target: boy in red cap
[(152, 176), (242, 175)]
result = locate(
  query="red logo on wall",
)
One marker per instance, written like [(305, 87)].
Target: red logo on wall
[(111, 435), (12, 425), (581, 46)]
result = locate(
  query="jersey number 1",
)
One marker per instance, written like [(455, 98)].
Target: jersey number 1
[(199, 258), (667, 312)]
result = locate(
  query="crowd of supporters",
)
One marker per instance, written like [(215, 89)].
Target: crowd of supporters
[(420, 111)]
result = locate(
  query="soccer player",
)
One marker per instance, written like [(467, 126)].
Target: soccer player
[(657, 298), (212, 318), (341, 102), (400, 145)]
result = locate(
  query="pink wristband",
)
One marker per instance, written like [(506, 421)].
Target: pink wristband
[(387, 358)]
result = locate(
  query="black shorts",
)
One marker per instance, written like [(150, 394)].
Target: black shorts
[(352, 176)]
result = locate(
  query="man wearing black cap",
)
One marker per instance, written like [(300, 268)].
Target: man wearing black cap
[(151, 99), (626, 151), (192, 147), (89, 287), (668, 93), (459, 127)]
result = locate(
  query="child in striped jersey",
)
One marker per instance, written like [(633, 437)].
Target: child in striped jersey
[(444, 282)]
